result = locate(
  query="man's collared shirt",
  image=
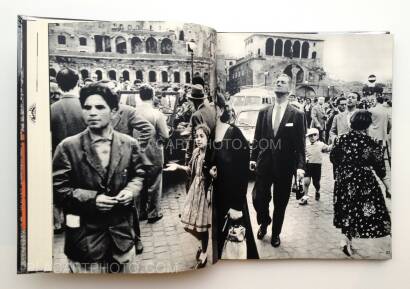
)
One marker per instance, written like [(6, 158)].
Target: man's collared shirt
[(282, 112), (102, 147)]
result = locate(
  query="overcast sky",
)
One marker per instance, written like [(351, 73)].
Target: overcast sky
[(347, 57)]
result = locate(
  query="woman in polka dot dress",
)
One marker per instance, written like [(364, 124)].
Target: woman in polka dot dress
[(359, 207)]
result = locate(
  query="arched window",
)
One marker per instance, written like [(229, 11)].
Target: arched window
[(152, 76), (83, 41), (269, 47), (305, 50), (181, 35), (84, 74), (112, 75), (296, 49), (279, 47), (288, 49), (121, 45), (300, 76), (151, 45), (99, 74), (166, 46), (176, 77), (136, 45), (313, 54), (187, 77), (52, 72), (126, 75), (139, 75), (206, 77), (61, 39), (164, 76)]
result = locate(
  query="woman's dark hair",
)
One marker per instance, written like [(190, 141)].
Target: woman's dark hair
[(221, 103), (361, 119), (101, 89), (204, 128)]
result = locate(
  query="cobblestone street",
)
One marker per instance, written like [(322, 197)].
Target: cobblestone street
[(308, 231), (167, 247)]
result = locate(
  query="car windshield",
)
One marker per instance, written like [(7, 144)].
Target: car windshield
[(247, 118), (246, 100)]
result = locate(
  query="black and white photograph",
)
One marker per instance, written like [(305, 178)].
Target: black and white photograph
[(130, 193), (316, 111)]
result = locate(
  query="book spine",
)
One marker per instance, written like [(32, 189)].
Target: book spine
[(21, 145)]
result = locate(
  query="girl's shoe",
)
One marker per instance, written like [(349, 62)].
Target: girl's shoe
[(346, 248), (198, 253), (201, 263), (304, 201)]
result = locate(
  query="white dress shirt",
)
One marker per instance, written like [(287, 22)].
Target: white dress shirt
[(282, 112)]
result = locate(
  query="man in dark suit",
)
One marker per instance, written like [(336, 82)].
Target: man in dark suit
[(278, 151), (205, 113), (97, 174)]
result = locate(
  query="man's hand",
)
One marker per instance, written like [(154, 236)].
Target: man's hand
[(300, 173), (234, 214), (213, 172), (105, 203), (252, 165), (125, 197)]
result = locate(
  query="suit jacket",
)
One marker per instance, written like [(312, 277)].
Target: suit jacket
[(318, 116), (129, 121), (155, 150), (66, 119), (380, 121), (283, 153), (205, 114), (78, 178), (340, 125)]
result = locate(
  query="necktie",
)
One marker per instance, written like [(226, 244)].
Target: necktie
[(277, 121)]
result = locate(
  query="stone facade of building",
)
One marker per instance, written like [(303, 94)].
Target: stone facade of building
[(156, 52), (269, 55)]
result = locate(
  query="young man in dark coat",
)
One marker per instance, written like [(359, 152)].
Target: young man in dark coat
[(97, 174)]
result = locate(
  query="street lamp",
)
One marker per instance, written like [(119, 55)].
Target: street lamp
[(191, 48), (266, 73)]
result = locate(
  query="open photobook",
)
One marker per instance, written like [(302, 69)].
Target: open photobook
[(157, 147)]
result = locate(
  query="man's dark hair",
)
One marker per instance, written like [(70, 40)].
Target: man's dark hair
[(146, 92), (339, 100), (357, 94), (361, 119), (380, 99), (101, 89), (67, 79)]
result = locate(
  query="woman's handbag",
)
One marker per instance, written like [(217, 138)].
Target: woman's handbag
[(235, 242)]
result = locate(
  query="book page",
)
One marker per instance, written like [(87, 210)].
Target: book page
[(154, 69), (315, 109)]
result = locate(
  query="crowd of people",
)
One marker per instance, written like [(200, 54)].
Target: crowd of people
[(108, 162)]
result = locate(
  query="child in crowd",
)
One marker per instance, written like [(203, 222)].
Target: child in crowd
[(196, 215), (314, 150)]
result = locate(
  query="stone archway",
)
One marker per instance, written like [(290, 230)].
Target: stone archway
[(112, 75), (152, 76), (126, 75), (296, 49), (279, 47), (136, 45), (139, 75), (151, 45), (305, 91), (166, 46), (120, 45), (305, 50), (98, 73), (288, 49), (269, 47)]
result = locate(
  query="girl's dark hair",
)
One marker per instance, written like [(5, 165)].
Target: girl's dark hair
[(361, 120), (204, 128), (101, 89)]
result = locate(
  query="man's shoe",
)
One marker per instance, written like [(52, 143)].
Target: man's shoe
[(317, 196), (262, 231), (138, 247), (143, 216), (275, 242), (155, 219)]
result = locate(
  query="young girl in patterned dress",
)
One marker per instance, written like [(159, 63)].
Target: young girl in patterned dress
[(196, 215)]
